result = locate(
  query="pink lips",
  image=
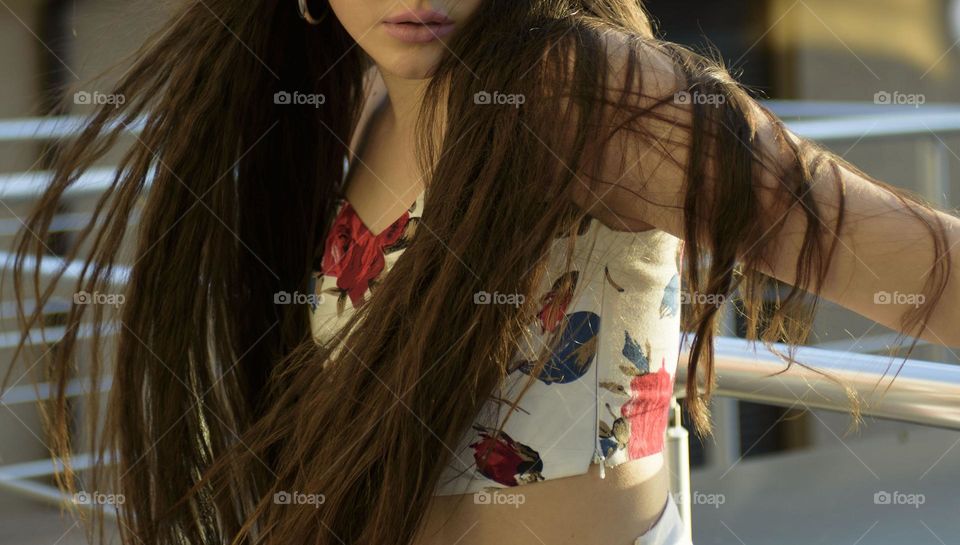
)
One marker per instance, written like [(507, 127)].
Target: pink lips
[(418, 26)]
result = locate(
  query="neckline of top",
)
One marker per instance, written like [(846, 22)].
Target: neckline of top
[(418, 203)]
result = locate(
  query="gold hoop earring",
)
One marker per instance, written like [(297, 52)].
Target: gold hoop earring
[(306, 16)]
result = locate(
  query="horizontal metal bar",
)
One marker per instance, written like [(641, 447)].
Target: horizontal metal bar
[(14, 477), (25, 186), (49, 335), (44, 467), (48, 128), (876, 127), (871, 344), (847, 120), (8, 309), (51, 264), (29, 393), (60, 223), (846, 108), (923, 393), (37, 491)]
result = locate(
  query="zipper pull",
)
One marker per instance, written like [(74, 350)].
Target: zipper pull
[(599, 458)]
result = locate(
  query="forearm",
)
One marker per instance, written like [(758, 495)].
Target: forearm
[(884, 257)]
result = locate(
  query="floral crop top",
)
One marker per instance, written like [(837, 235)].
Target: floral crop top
[(604, 395)]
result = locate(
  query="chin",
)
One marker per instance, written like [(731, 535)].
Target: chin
[(411, 64)]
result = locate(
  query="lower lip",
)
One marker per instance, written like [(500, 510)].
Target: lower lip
[(416, 33)]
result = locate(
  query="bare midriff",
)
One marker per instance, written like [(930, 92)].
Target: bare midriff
[(578, 510)]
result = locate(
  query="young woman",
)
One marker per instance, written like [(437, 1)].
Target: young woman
[(408, 271)]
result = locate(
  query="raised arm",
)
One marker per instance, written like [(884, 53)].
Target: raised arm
[(753, 193)]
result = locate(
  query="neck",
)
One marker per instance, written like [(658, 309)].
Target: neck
[(405, 96)]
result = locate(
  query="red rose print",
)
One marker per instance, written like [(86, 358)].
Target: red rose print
[(553, 312), (554, 306), (504, 460), (353, 255), (647, 412)]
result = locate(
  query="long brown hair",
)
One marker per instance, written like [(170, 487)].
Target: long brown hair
[(221, 398)]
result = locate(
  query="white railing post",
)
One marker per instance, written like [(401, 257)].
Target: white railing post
[(678, 441)]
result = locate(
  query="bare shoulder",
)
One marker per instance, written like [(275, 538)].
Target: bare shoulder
[(654, 73), (641, 82)]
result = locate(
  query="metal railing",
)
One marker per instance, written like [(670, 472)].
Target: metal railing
[(924, 392), (919, 392)]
